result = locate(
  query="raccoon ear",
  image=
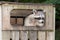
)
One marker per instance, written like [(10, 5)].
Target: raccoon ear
[(34, 11), (44, 11)]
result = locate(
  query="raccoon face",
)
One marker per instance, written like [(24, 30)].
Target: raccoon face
[(40, 22), (40, 18)]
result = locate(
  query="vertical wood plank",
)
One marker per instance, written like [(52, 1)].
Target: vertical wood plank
[(20, 21), (33, 35), (50, 36), (5, 35), (12, 21), (50, 17), (15, 35), (24, 35), (53, 18), (19, 35), (0, 22), (10, 35), (41, 35)]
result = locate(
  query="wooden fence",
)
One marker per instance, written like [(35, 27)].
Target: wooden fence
[(24, 33), (27, 35)]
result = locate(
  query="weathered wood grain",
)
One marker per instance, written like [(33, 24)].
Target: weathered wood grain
[(24, 35), (32, 35), (41, 35), (50, 36), (12, 21), (5, 35), (20, 21), (15, 35), (21, 12), (19, 35), (0, 23), (7, 9)]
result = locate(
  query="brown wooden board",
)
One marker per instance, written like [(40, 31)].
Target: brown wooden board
[(12, 21), (20, 21)]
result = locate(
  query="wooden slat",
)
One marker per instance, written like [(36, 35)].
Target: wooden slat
[(13, 20), (33, 35), (0, 23), (41, 35), (20, 21), (10, 34), (19, 35), (15, 35), (50, 36), (24, 35), (5, 35), (50, 17), (21, 12)]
